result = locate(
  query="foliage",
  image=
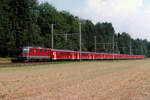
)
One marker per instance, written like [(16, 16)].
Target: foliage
[(28, 23)]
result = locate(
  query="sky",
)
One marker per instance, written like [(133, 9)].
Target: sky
[(131, 16)]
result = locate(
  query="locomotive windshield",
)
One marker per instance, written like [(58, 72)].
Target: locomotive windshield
[(25, 50)]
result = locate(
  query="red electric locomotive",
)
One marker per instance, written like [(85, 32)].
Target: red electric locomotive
[(35, 54)]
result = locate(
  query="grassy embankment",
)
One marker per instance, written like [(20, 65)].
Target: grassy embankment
[(5, 60)]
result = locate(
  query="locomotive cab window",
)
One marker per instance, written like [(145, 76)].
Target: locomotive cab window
[(25, 50), (40, 50)]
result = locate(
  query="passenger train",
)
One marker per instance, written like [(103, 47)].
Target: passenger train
[(46, 54)]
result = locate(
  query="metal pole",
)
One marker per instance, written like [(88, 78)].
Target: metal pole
[(141, 50), (113, 47), (80, 40), (130, 48), (95, 43), (116, 48), (52, 40), (66, 37), (104, 47)]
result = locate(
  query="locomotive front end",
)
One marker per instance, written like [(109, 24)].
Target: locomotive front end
[(25, 56)]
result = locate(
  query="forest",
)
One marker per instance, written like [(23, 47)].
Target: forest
[(29, 23)]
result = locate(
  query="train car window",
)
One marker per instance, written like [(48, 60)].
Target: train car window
[(40, 50), (35, 51), (85, 54), (45, 50), (65, 53)]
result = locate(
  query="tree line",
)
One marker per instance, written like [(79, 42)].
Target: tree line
[(28, 23)]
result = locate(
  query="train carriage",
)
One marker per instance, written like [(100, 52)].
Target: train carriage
[(63, 54)]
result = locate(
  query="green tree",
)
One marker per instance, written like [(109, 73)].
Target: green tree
[(105, 33)]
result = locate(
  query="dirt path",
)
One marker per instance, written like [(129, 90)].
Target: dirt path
[(119, 80)]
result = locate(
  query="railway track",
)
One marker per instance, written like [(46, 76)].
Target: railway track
[(19, 64)]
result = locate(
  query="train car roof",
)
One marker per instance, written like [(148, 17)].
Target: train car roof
[(39, 47), (72, 51)]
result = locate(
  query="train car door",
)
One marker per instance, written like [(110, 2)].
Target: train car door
[(73, 54), (78, 55), (54, 53)]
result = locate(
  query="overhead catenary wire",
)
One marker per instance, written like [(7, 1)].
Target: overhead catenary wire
[(66, 35)]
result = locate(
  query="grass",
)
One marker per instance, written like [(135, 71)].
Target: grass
[(5, 60), (8, 60)]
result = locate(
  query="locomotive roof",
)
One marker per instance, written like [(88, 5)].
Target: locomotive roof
[(35, 47)]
